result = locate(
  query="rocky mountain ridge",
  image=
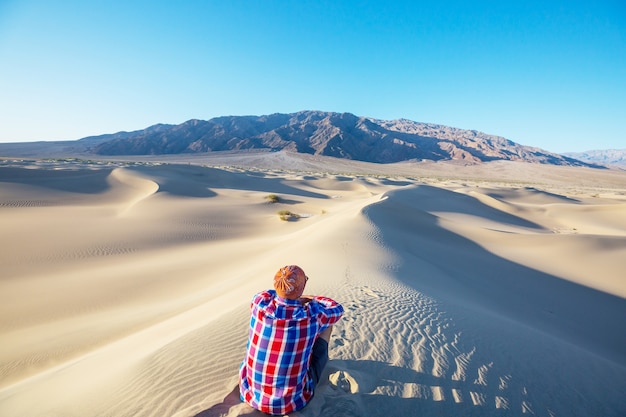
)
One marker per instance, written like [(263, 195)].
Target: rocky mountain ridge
[(341, 135)]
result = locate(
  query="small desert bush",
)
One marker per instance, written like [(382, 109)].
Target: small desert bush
[(287, 215), (273, 198)]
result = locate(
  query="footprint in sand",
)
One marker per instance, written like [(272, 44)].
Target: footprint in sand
[(338, 342), (370, 292), (338, 404), (344, 381)]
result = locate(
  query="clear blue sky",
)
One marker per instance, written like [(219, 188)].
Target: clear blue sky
[(545, 73)]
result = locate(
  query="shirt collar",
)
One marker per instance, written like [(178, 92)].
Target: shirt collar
[(287, 301)]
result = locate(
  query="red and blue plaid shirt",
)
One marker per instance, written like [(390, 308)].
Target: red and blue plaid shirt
[(274, 375)]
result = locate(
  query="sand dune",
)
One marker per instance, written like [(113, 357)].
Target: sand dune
[(481, 290)]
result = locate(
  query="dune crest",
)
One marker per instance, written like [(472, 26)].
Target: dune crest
[(130, 188)]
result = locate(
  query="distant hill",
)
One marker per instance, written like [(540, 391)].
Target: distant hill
[(601, 157), (340, 135)]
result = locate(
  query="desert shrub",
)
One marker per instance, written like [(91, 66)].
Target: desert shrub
[(287, 215), (273, 198)]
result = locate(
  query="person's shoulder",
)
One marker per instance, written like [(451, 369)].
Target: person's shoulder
[(264, 295), (324, 299), (324, 303)]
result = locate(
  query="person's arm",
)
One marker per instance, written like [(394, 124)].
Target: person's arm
[(331, 310)]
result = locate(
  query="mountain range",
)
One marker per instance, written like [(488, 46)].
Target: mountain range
[(615, 157), (341, 135)]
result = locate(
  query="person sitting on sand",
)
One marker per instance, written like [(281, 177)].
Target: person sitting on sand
[(287, 345)]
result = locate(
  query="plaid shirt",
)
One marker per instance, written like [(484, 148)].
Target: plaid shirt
[(274, 375)]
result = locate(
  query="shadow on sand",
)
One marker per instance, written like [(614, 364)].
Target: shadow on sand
[(472, 276)]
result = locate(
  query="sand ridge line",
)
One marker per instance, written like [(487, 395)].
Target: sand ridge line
[(158, 335), (132, 294), (412, 229), (137, 188)]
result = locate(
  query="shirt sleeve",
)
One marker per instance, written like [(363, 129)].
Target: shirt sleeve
[(261, 297), (330, 311)]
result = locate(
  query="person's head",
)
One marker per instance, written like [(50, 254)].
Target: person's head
[(289, 282)]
